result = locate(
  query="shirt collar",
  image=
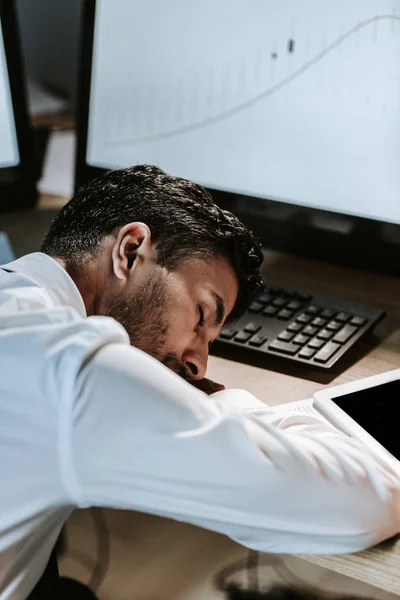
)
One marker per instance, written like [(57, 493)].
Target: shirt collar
[(49, 274)]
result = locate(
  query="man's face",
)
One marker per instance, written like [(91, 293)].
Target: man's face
[(175, 315)]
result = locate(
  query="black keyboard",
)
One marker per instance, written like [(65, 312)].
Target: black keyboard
[(301, 327)]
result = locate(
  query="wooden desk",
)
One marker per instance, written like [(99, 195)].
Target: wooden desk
[(135, 536)]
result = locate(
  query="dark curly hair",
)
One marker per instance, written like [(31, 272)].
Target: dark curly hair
[(181, 215)]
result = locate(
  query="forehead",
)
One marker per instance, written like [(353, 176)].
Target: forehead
[(211, 275)]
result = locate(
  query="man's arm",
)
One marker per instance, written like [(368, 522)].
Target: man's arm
[(144, 439)]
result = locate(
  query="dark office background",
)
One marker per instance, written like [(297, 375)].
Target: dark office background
[(50, 31)]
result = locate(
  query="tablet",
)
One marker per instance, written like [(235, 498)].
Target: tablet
[(368, 409)]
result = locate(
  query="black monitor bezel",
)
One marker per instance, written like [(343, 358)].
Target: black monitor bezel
[(19, 180), (371, 244)]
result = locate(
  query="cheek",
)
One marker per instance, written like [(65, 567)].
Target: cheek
[(180, 315), (180, 321)]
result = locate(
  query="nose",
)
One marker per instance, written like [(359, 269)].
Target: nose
[(195, 363)]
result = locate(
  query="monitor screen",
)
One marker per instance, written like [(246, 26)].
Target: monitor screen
[(290, 101), (9, 154)]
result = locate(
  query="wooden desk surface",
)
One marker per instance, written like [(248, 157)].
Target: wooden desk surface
[(380, 352)]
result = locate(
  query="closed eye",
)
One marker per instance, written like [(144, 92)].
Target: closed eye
[(201, 317)]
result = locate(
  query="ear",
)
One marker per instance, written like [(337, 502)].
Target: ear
[(131, 248)]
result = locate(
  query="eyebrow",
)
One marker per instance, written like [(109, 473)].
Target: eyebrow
[(219, 309)]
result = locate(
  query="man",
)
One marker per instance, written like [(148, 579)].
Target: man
[(95, 411)]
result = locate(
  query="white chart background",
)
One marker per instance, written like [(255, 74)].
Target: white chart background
[(298, 101)]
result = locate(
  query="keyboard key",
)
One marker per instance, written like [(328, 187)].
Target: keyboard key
[(318, 322), (303, 318), (313, 310), (327, 352), (295, 327), (345, 334), (285, 315), (270, 311), (316, 343), (227, 333), (279, 301), (358, 321), (307, 352), (343, 317), (276, 290), (324, 334), (334, 326), (243, 337), (284, 347), (294, 305), (255, 307), (328, 314), (304, 297), (286, 336), (258, 340), (301, 339), (252, 327), (265, 298), (310, 330), (290, 293)]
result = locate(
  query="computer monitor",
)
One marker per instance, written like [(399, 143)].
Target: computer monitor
[(289, 112), (17, 159)]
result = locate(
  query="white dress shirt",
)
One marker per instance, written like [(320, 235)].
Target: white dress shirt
[(88, 420)]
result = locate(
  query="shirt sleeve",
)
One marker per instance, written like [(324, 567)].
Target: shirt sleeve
[(144, 439)]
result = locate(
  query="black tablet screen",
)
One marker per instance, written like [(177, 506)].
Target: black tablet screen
[(377, 410)]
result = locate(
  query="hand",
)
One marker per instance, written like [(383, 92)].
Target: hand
[(207, 386)]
